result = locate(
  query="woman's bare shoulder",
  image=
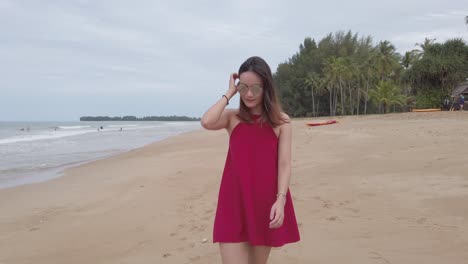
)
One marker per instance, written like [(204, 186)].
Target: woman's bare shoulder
[(285, 117), (231, 113), (285, 120), (233, 119)]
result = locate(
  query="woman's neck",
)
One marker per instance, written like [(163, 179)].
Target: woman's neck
[(256, 111)]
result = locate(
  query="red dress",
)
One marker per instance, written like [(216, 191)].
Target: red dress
[(248, 190)]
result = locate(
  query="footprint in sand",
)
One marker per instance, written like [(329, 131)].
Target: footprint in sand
[(344, 203), (206, 217), (377, 255), (354, 210), (195, 258), (437, 226), (326, 204), (368, 194), (421, 220), (366, 234)]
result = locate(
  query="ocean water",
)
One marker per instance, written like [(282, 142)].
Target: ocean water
[(37, 151)]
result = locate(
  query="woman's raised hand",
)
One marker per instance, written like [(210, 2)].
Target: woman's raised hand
[(232, 85)]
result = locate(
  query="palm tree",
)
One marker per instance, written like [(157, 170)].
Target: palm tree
[(408, 59), (386, 94), (312, 80), (424, 46), (369, 75), (332, 80), (317, 87), (385, 58)]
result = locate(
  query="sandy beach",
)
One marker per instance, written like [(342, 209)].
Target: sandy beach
[(374, 189)]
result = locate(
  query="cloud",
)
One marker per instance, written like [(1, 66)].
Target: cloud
[(180, 53)]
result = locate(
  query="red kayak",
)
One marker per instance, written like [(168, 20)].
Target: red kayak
[(328, 122)]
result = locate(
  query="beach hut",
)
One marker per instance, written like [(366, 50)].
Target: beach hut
[(460, 89)]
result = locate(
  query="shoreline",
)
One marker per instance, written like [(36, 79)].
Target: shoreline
[(390, 187), (51, 173)]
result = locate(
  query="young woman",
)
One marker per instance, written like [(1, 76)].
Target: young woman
[(255, 211)]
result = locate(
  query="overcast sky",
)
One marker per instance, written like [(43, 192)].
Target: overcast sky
[(60, 60)]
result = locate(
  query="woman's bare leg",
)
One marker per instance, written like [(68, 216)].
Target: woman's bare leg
[(259, 254), (234, 253)]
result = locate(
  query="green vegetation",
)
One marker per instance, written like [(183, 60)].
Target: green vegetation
[(345, 74)]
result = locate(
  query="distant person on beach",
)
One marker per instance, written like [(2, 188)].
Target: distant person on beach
[(255, 210), (462, 102), (446, 104)]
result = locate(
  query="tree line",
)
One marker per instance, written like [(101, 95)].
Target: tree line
[(347, 74)]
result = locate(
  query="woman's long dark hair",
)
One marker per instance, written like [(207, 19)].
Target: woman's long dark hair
[(271, 105)]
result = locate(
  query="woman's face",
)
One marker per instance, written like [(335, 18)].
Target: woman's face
[(250, 88)]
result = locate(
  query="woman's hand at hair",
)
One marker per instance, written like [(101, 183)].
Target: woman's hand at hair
[(232, 85)]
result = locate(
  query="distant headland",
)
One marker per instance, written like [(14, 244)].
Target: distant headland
[(134, 118)]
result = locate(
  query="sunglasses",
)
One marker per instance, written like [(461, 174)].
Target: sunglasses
[(256, 89)]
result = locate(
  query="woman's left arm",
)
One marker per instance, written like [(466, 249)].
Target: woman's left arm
[(284, 158), (284, 173)]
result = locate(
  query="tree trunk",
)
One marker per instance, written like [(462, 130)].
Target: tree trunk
[(341, 97), (313, 102), (367, 97), (358, 99), (351, 101), (336, 101), (318, 104), (331, 99)]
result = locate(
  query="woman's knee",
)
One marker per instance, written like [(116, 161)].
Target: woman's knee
[(260, 254), (234, 253)]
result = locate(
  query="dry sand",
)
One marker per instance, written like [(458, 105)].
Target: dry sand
[(374, 189)]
